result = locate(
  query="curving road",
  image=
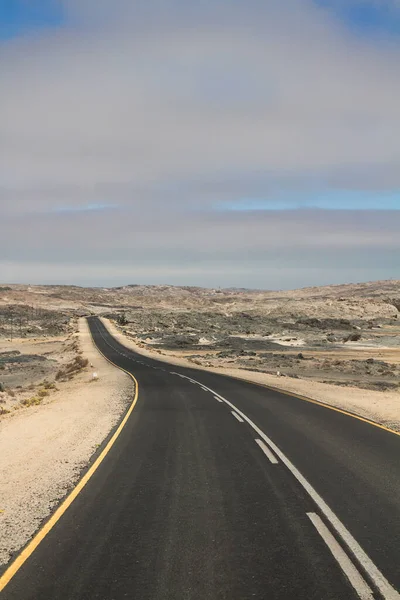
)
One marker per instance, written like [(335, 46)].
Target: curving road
[(220, 489)]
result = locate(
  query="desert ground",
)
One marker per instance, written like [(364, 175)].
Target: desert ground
[(347, 335), (337, 344)]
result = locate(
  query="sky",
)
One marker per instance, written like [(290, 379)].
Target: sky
[(247, 143)]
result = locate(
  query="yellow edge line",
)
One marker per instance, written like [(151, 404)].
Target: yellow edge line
[(318, 402), (48, 526)]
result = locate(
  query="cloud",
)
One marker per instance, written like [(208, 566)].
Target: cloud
[(291, 200), (169, 109)]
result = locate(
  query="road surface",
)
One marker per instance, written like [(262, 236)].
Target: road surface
[(220, 489)]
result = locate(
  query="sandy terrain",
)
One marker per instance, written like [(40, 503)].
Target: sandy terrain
[(52, 417), (345, 335), (29, 368), (382, 407), (43, 449)]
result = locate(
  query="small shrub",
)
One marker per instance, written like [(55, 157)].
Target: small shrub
[(11, 393), (81, 362), (49, 385), (70, 369), (122, 320), (34, 401), (43, 393)]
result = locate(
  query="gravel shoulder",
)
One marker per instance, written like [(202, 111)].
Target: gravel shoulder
[(43, 449), (381, 407)]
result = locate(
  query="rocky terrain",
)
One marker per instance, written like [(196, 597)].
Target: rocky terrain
[(54, 414), (347, 335), (31, 370)]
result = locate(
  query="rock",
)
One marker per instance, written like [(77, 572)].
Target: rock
[(353, 337)]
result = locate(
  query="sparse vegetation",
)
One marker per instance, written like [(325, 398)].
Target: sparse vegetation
[(122, 320), (49, 385), (214, 327), (34, 401), (72, 368), (22, 320)]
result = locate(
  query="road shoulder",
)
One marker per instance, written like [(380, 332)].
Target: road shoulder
[(44, 449), (380, 407)]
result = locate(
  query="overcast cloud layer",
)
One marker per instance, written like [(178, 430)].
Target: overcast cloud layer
[(189, 143)]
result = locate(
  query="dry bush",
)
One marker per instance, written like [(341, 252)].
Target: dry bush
[(72, 368), (34, 401), (82, 362), (49, 385), (60, 374)]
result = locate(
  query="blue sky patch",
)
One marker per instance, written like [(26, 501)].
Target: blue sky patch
[(365, 16), (18, 17)]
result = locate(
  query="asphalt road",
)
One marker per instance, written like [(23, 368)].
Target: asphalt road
[(220, 489)]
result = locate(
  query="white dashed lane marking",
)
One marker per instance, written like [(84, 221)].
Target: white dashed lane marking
[(237, 417), (267, 452)]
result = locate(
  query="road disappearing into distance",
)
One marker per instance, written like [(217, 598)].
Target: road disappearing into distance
[(220, 489)]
